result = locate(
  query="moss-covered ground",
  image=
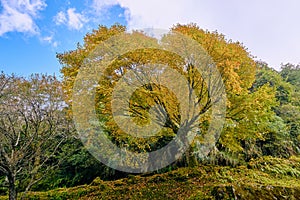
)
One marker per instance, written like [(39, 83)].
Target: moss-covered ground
[(263, 178)]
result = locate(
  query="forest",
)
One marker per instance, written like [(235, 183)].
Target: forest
[(256, 155)]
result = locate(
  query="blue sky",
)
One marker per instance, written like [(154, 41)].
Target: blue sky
[(32, 31), (31, 47)]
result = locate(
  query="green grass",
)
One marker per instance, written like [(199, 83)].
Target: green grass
[(264, 178)]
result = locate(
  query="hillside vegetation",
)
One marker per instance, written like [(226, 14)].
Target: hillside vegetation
[(263, 178)]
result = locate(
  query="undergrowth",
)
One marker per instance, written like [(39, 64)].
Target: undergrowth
[(262, 178)]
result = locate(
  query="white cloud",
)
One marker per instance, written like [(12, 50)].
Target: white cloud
[(55, 44), (99, 5), (71, 18), (269, 28), (156, 13), (60, 18), (19, 15), (49, 40), (76, 20)]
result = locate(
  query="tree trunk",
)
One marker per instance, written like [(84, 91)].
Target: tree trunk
[(12, 187)]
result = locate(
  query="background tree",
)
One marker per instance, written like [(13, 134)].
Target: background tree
[(76, 167), (33, 125), (282, 140), (290, 112)]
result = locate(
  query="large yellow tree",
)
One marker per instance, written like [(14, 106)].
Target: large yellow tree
[(247, 112)]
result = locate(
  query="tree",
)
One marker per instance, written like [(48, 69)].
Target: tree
[(77, 167), (282, 140), (244, 107), (33, 125), (291, 112), (267, 75), (291, 74)]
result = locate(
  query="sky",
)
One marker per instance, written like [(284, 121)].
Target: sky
[(33, 31)]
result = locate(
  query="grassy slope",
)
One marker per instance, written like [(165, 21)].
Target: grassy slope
[(265, 178)]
